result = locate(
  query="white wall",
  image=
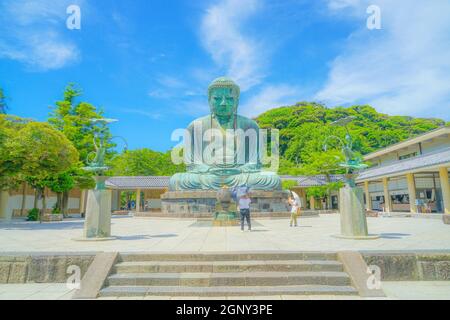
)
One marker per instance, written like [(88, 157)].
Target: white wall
[(431, 146), (15, 202), (435, 145)]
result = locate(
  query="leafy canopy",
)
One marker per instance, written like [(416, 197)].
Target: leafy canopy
[(43, 151), (304, 127), (74, 121), (3, 105), (32, 151), (144, 162), (10, 164)]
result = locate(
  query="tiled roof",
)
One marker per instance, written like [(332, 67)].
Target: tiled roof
[(156, 182), (137, 182), (421, 162), (313, 181)]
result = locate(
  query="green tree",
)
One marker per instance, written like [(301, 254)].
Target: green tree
[(288, 184), (323, 192), (144, 162), (10, 163), (44, 153), (73, 119), (60, 184), (304, 126), (324, 163), (3, 105)]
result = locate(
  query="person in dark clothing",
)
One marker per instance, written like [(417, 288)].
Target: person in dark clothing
[(244, 209)]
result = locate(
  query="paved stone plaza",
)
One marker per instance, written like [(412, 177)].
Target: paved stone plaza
[(178, 235), (172, 235), (428, 290), (35, 291)]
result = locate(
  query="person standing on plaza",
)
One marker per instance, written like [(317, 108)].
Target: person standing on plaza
[(294, 210), (244, 209)]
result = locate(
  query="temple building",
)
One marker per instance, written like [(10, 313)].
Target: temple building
[(149, 190), (410, 176)]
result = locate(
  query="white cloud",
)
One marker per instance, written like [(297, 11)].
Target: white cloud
[(270, 97), (169, 87), (151, 115), (28, 12), (159, 94), (403, 68), (223, 37), (32, 33), (170, 81), (344, 4)]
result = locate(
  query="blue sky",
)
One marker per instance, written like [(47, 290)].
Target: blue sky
[(148, 63)]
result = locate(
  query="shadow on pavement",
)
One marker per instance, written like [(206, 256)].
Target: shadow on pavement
[(146, 236), (394, 235)]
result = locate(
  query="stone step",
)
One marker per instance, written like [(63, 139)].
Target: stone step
[(126, 257), (201, 279), (220, 291), (226, 266)]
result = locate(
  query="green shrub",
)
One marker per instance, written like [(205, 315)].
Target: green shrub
[(33, 214), (56, 210)]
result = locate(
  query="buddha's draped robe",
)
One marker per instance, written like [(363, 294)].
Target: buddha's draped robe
[(239, 164)]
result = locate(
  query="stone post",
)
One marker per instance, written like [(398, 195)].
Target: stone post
[(367, 193), (82, 201), (445, 187), (138, 200), (387, 197), (119, 199), (97, 225), (352, 214), (312, 203), (5, 212), (114, 202), (24, 199), (303, 199), (411, 192)]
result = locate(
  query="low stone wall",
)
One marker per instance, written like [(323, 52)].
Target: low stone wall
[(209, 216), (404, 266), (200, 202), (41, 268), (52, 217)]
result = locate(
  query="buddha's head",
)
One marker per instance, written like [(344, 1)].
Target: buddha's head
[(223, 97)]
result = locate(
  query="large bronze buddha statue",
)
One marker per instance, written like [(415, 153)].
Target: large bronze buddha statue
[(223, 148)]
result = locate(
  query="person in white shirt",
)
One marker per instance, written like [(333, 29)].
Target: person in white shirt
[(294, 210), (244, 209)]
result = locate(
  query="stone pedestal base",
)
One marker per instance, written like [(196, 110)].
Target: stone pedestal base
[(50, 217), (198, 203), (353, 216), (225, 219), (369, 237), (94, 239), (446, 218), (97, 225)]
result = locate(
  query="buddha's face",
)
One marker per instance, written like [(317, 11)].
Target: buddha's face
[(222, 101)]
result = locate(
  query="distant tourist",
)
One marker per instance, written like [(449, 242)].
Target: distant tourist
[(238, 192), (244, 208), (295, 208)]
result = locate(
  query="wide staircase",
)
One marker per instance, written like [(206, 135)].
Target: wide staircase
[(227, 274)]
